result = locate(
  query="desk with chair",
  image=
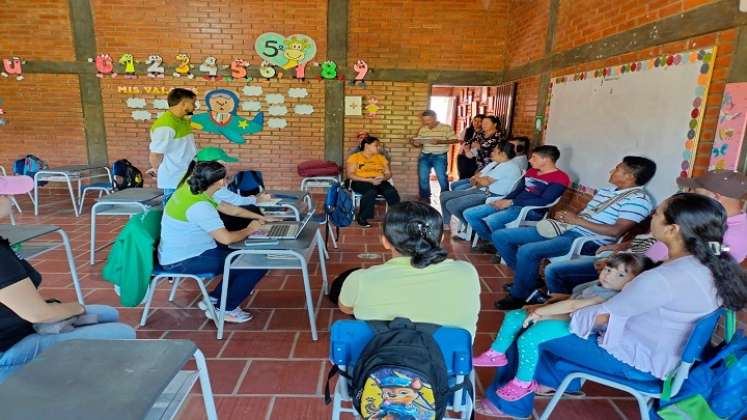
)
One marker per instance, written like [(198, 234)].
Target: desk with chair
[(283, 254), (107, 379), (18, 235), (122, 203), (298, 205), (66, 174)]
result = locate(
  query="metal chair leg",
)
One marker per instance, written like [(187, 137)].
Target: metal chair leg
[(148, 299)]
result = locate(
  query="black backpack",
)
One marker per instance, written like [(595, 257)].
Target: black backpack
[(400, 373), (126, 175), (247, 183)]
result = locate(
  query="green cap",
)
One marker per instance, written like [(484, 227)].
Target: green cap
[(214, 153)]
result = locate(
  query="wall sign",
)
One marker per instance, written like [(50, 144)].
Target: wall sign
[(286, 53), (731, 127)]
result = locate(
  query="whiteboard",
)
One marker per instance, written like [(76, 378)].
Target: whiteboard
[(652, 108)]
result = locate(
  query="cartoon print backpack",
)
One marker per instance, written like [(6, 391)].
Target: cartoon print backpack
[(29, 165), (400, 373), (339, 206), (126, 175)]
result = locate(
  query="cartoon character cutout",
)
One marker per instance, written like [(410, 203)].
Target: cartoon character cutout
[(104, 65), (209, 68), (295, 51), (155, 66), (184, 68), (222, 117), (128, 61), (402, 397), (361, 68), (13, 66), (240, 69), (372, 107)]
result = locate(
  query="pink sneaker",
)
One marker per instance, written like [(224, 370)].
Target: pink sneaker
[(515, 390), (490, 358)]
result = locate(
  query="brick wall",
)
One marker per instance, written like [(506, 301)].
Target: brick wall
[(38, 30), (400, 105), (525, 36), (438, 34), (525, 106), (276, 152)]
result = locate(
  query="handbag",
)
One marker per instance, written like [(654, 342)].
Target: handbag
[(551, 228)]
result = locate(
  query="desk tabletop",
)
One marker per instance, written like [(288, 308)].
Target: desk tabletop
[(130, 195), (304, 241), (16, 234), (73, 169), (94, 379)]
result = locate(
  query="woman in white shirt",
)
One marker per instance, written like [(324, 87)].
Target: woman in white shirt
[(495, 180)]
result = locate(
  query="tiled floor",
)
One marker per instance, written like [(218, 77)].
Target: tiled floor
[(269, 368)]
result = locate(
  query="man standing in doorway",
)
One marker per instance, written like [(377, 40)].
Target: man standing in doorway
[(172, 144), (434, 138)]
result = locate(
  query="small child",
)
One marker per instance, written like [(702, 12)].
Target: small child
[(552, 320)]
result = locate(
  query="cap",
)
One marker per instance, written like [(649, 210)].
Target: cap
[(214, 153), (12, 185), (727, 183)]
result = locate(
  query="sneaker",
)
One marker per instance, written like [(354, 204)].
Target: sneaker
[(509, 303), (201, 304), (490, 358), (515, 390), (237, 316), (364, 224)]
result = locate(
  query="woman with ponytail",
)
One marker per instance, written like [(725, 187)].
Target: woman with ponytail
[(191, 229), (419, 282), (640, 333)]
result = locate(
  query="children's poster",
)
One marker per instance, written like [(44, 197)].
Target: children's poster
[(731, 128)]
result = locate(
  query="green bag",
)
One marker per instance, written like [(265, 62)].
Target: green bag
[(693, 408)]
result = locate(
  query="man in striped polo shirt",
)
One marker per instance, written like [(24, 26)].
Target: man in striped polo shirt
[(523, 248)]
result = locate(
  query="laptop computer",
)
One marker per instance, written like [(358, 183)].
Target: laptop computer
[(281, 230)]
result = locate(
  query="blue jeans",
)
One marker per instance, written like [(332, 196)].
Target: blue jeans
[(583, 352), (523, 249), (241, 284), (426, 161), (167, 193), (485, 219), (32, 345), (563, 276), (462, 184)]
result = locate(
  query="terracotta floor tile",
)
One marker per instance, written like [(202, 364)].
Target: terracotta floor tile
[(224, 374), (301, 408), (205, 341), (260, 344), (307, 349), (580, 409), (298, 320), (261, 316), (278, 299), (175, 319), (239, 407), (281, 377)]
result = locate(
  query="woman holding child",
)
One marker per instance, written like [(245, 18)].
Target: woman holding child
[(639, 332)]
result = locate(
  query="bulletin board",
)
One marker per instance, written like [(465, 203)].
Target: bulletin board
[(652, 108)]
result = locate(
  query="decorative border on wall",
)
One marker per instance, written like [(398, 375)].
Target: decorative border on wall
[(707, 58)]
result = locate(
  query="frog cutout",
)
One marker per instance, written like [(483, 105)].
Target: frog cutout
[(13, 66), (222, 117), (155, 66), (128, 61), (184, 68), (104, 65), (267, 71)]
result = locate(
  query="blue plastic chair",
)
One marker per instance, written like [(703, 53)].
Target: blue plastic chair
[(159, 274), (349, 337), (644, 391)]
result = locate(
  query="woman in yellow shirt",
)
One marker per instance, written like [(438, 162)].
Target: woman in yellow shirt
[(369, 174)]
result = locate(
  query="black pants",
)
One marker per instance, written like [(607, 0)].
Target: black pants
[(368, 192), (234, 223), (466, 166)]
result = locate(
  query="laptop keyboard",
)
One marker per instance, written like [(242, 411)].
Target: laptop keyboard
[(279, 230)]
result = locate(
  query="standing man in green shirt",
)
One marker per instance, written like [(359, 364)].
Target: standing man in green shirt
[(434, 138), (172, 144)]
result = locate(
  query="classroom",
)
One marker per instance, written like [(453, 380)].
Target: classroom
[(397, 209)]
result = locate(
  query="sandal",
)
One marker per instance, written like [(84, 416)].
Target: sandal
[(514, 390), (486, 408), (547, 392)]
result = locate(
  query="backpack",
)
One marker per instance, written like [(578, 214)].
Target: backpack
[(714, 389), (339, 206), (29, 165), (247, 183), (400, 373), (317, 168), (126, 175)]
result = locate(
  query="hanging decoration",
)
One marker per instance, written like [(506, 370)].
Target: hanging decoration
[(160, 104), (222, 117), (277, 123), (13, 67), (266, 70), (329, 70), (184, 68), (104, 65), (251, 106), (372, 107), (141, 115), (276, 110), (155, 66), (361, 68), (274, 98), (303, 109), (128, 62), (240, 69), (286, 53), (252, 90), (135, 103), (209, 68), (732, 124)]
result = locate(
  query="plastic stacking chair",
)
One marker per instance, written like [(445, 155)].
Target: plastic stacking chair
[(160, 274), (644, 391), (348, 338)]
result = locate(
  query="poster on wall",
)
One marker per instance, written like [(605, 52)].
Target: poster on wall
[(730, 131), (353, 105), (285, 52), (222, 117)]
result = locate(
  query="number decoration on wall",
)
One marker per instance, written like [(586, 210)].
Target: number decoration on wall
[(209, 68), (222, 117), (301, 72), (329, 70), (361, 69), (240, 70), (13, 67), (291, 53), (104, 65), (127, 61), (267, 70), (155, 66), (183, 68)]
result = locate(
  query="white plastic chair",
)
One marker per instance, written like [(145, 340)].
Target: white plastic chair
[(465, 230), (521, 219)]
